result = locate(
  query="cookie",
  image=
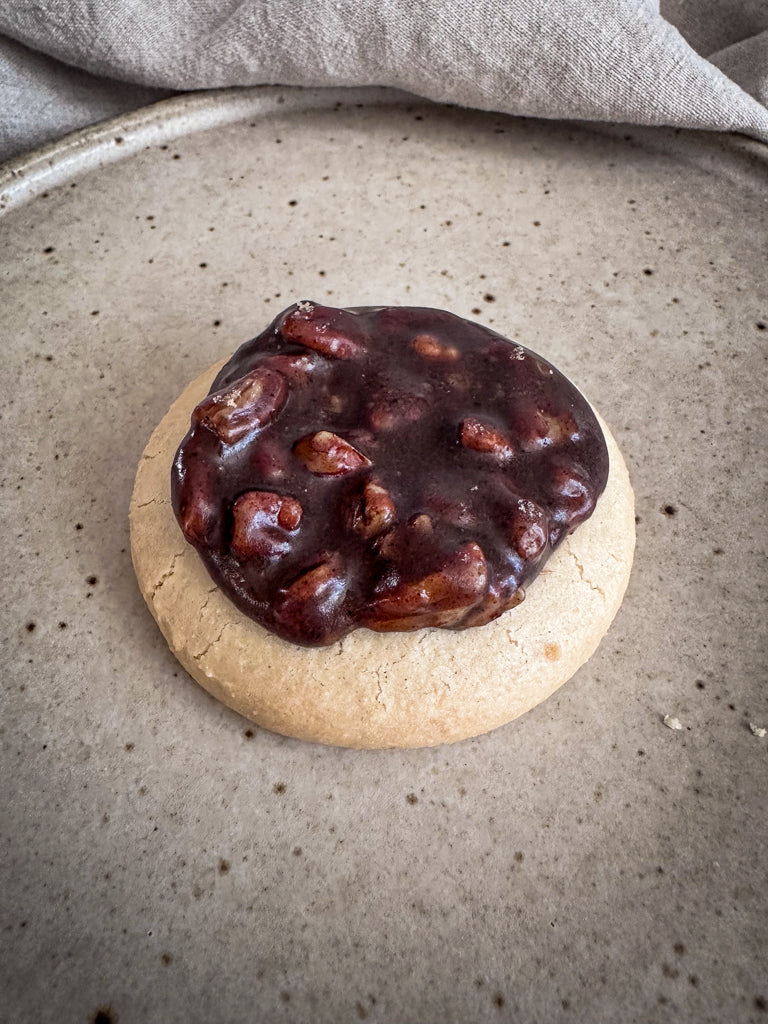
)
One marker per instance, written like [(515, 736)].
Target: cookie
[(369, 686)]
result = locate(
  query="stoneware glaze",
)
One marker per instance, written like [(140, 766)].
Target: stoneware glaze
[(162, 859)]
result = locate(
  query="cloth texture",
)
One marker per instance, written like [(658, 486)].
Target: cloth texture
[(689, 63)]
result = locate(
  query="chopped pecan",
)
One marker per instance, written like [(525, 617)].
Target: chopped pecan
[(245, 406), (430, 347), (296, 367), (270, 460), (481, 437), (374, 511), (441, 598), (261, 522), (402, 540), (572, 494), (421, 524), (311, 608), (198, 501), (498, 600), (327, 454), (331, 332), (450, 508), (540, 428), (528, 529), (390, 411)]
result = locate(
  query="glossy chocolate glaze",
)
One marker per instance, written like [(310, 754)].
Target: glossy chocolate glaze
[(392, 468)]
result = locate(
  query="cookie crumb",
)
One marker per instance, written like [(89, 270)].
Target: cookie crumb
[(673, 723)]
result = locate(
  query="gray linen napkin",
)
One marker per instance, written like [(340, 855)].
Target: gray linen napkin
[(67, 63)]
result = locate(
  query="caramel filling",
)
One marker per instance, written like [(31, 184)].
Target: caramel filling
[(388, 468)]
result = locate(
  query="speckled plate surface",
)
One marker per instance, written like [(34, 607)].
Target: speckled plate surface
[(162, 859)]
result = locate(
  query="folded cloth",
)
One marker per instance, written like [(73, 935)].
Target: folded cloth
[(68, 63)]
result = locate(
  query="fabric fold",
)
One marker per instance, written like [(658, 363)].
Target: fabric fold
[(64, 65)]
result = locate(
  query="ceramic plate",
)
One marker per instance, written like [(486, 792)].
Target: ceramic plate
[(164, 860)]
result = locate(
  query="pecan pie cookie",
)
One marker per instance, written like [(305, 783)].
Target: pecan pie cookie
[(345, 543)]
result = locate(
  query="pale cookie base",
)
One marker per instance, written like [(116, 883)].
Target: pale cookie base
[(370, 689)]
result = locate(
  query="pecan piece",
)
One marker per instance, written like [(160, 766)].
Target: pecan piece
[(528, 529), (481, 437), (441, 598), (296, 367), (430, 347), (270, 460), (374, 512), (331, 332), (459, 381), (539, 428), (393, 410), (401, 540), (560, 427), (310, 609), (245, 406), (498, 600), (327, 454), (261, 521), (197, 500), (571, 492), (450, 506), (421, 525), (501, 351)]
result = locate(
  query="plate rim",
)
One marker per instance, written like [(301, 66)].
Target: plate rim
[(26, 176)]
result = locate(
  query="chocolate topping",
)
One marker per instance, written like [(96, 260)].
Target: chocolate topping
[(392, 468)]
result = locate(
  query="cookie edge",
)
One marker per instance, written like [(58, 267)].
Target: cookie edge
[(374, 690)]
